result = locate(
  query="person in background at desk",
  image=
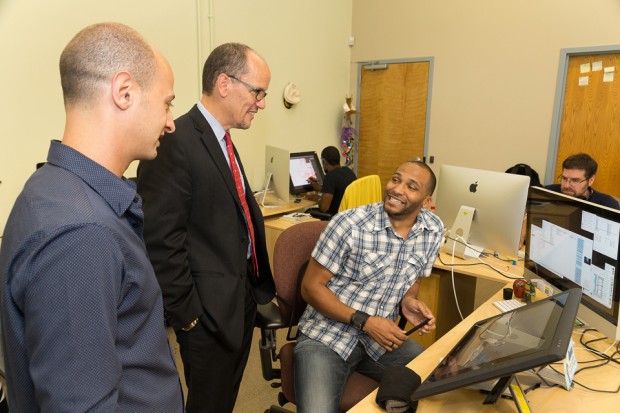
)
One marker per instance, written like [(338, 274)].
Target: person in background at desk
[(205, 232), (366, 265), (578, 174), (336, 180), (82, 313)]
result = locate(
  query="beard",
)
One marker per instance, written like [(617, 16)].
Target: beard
[(405, 211)]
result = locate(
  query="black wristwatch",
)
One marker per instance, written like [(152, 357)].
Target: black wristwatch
[(358, 319)]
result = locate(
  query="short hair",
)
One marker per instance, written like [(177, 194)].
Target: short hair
[(97, 53), (228, 58), (331, 155), (432, 182), (581, 161)]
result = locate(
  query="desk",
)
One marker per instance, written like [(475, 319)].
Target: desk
[(274, 225), (543, 400), (286, 207), (474, 285)]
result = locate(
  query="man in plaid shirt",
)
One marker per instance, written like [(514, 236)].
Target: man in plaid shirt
[(366, 264)]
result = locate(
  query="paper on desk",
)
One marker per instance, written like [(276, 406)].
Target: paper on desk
[(296, 216)]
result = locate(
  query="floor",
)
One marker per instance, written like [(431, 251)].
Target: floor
[(255, 394)]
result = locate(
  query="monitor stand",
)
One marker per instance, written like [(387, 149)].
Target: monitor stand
[(458, 236), (518, 395), (265, 200)]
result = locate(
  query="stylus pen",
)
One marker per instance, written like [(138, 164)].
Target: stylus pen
[(419, 326)]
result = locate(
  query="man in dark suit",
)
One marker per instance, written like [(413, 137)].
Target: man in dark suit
[(204, 231)]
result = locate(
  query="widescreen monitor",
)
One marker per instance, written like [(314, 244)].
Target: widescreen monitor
[(531, 336), (483, 208), (304, 165), (574, 243)]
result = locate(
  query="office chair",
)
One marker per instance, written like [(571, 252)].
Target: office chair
[(525, 169), (290, 257), (363, 191)]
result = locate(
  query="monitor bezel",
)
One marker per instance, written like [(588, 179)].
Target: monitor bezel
[(533, 270), (299, 189), (555, 351)]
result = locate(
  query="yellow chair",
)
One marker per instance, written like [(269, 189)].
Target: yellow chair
[(363, 191)]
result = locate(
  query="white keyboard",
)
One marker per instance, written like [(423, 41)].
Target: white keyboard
[(508, 305)]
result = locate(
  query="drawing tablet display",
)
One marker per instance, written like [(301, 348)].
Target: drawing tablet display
[(531, 336)]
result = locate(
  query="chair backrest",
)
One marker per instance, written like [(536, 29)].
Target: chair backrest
[(291, 251), (363, 191), (525, 169)]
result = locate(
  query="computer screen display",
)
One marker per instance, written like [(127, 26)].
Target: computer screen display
[(531, 336), (498, 203), (574, 243), (304, 165)]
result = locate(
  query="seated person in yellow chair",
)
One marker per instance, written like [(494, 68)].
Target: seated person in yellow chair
[(336, 180), (366, 265)]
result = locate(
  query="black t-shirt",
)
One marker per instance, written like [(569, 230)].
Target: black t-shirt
[(335, 182)]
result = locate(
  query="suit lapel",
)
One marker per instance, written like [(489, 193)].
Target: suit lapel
[(214, 149)]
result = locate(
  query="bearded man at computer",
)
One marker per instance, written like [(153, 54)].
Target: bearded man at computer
[(577, 178)]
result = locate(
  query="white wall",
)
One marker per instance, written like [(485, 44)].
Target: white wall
[(303, 42), (496, 65)]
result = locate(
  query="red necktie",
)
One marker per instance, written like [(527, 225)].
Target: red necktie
[(246, 210)]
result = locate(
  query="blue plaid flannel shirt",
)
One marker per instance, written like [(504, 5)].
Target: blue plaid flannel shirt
[(373, 268)]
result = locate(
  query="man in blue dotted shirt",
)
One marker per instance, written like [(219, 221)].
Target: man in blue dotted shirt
[(82, 312)]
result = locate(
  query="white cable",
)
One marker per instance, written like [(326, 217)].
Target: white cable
[(456, 300)]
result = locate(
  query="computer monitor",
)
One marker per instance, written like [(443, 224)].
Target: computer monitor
[(482, 208), (501, 346), (277, 164), (303, 166), (574, 243)]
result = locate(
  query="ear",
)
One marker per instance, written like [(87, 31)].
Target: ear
[(591, 180), (123, 90), (222, 84), (428, 202)]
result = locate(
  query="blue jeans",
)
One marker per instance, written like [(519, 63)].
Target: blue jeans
[(321, 374)]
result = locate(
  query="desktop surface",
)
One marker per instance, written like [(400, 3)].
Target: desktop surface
[(286, 207), (485, 268), (541, 400)]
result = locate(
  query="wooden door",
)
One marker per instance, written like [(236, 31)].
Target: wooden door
[(392, 117), (590, 119)]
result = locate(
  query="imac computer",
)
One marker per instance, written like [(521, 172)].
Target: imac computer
[(276, 174), (574, 243), (482, 208), (499, 347), (304, 165)]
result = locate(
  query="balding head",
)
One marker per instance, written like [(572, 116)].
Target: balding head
[(92, 58)]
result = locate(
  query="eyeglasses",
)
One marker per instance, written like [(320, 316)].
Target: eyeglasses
[(571, 181), (259, 94)]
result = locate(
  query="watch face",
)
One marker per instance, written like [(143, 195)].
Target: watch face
[(357, 319)]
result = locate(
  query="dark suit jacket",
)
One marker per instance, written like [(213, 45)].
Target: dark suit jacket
[(195, 232)]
